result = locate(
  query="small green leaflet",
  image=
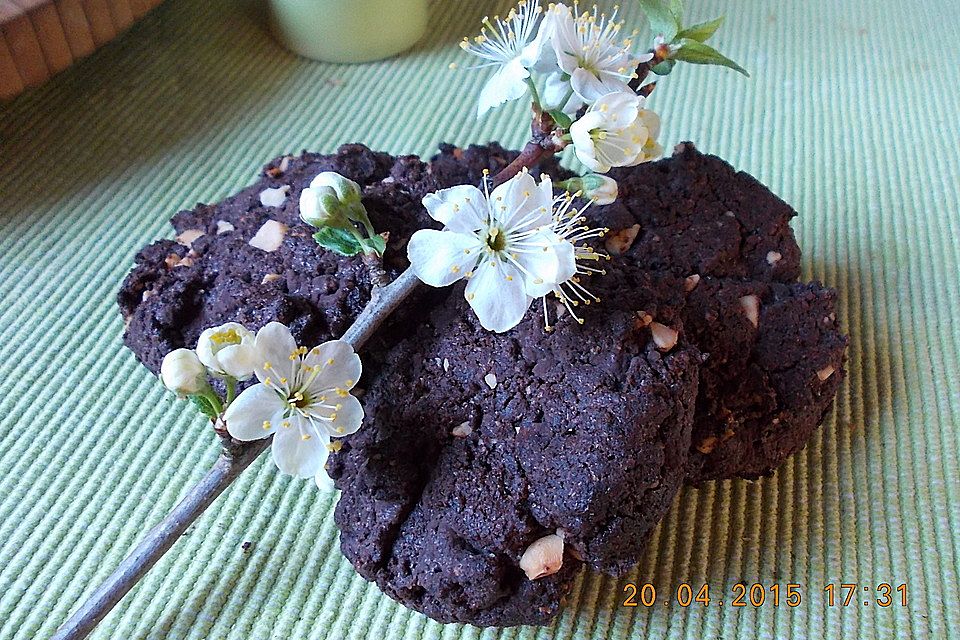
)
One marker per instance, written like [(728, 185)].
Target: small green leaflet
[(204, 406), (701, 32), (663, 18), (343, 242), (563, 120), (698, 53), (338, 240)]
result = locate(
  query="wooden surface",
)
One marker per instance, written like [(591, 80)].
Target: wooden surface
[(39, 38)]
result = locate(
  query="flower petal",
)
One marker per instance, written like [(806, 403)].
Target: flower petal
[(238, 360), (253, 414), (440, 258), (520, 203), (540, 263), (340, 366), (499, 302), (505, 85), (297, 455), (323, 479), (462, 208), (586, 85), (274, 345), (341, 415)]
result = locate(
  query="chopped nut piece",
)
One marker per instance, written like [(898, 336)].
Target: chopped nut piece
[(462, 430), (185, 262), (708, 444), (618, 243), (270, 277), (446, 365), (491, 380), (274, 197), (663, 336), (826, 372), (270, 236), (224, 227), (690, 282), (187, 237), (543, 557), (389, 180), (751, 308), (773, 257), (285, 163), (643, 319)]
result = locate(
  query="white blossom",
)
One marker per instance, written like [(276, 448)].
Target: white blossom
[(502, 242), (616, 131), (322, 201), (182, 372), (303, 399), (590, 50), (228, 350), (512, 45)]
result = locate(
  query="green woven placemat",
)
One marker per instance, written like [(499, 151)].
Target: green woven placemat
[(851, 115)]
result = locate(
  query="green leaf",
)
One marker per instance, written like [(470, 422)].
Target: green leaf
[(698, 53), (701, 32), (563, 120), (203, 404), (338, 240), (664, 68), (662, 19), (676, 8), (376, 244)]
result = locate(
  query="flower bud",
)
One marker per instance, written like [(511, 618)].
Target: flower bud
[(593, 186), (319, 206), (347, 191), (600, 189), (183, 373), (228, 350)]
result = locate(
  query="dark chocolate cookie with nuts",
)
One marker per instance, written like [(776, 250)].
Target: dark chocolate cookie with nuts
[(476, 445), (774, 348)]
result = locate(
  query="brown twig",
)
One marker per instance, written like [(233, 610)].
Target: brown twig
[(542, 145), (235, 457)]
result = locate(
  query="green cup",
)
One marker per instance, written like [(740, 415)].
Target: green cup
[(348, 30)]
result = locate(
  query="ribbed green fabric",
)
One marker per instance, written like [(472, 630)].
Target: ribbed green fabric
[(851, 115)]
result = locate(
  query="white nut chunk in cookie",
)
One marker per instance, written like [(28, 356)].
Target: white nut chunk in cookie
[(270, 236), (826, 372), (751, 308), (621, 241), (663, 336), (690, 282), (543, 557), (187, 237)]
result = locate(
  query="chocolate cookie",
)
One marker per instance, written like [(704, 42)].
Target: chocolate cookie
[(476, 444), (769, 379)]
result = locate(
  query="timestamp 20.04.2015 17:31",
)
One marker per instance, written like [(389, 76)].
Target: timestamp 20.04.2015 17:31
[(843, 594)]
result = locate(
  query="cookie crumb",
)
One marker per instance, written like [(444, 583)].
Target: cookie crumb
[(246, 545), (491, 380), (663, 336), (543, 557), (269, 237), (690, 282), (751, 308)]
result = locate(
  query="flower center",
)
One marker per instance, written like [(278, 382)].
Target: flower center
[(496, 240), (224, 338), (298, 400)]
